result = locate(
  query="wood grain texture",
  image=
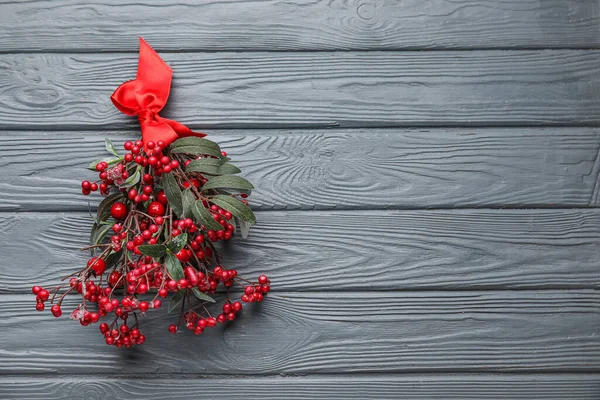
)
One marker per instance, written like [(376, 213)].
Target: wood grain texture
[(270, 90), (340, 169), (380, 250), (583, 386), (111, 25), (329, 332)]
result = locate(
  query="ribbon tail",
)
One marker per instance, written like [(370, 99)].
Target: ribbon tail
[(166, 130), (156, 132), (181, 129)]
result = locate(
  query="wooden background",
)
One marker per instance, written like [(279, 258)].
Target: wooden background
[(428, 194)]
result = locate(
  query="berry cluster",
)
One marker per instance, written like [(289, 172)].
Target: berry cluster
[(156, 234)]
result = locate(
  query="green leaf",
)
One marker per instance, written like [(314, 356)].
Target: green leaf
[(229, 169), (228, 181), (187, 203), (202, 296), (205, 217), (154, 251), (176, 300), (212, 166), (112, 258), (207, 165), (195, 141), (110, 160), (98, 232), (110, 147), (133, 179), (197, 151), (178, 243), (234, 206), (105, 205), (173, 193), (174, 267), (244, 228)]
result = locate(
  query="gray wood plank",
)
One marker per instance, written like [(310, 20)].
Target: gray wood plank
[(329, 332), (381, 250), (110, 25), (270, 90), (340, 169), (406, 387)]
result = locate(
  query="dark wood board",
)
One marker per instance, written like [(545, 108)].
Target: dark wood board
[(352, 250), (329, 332), (346, 89), (339, 169), (111, 25), (343, 387)]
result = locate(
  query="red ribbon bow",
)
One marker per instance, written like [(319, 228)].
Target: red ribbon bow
[(146, 95)]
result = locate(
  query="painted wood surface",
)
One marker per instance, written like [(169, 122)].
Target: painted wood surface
[(405, 386), (340, 169), (111, 25), (330, 332), (350, 250), (427, 202), (323, 89)]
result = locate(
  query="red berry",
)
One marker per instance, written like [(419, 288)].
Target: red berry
[(86, 185), (128, 145), (126, 302), (40, 306), (36, 289), (172, 328), (156, 209), (44, 295), (118, 210), (98, 265), (142, 288), (162, 197), (190, 274), (182, 283), (144, 306), (183, 255), (263, 279)]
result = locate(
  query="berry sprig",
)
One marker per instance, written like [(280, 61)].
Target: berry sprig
[(156, 233)]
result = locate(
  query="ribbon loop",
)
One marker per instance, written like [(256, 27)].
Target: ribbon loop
[(146, 95)]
